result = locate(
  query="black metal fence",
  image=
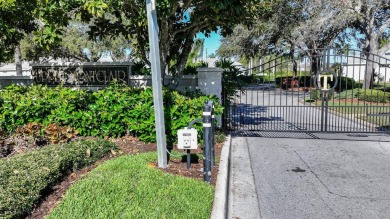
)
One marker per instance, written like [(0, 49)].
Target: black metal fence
[(324, 90)]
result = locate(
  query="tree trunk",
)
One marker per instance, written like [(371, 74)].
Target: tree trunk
[(163, 66), (372, 50), (315, 63), (185, 51), (294, 62), (369, 73), (18, 61), (164, 43)]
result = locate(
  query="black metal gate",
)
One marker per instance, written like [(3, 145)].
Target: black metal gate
[(327, 90)]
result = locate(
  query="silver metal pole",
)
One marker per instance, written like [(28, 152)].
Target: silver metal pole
[(156, 82)]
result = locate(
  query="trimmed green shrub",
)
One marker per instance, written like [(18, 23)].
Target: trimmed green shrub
[(373, 96), (346, 83), (181, 110), (316, 95), (254, 79), (305, 81), (283, 73), (114, 111), (22, 105), (348, 94), (25, 177), (386, 89)]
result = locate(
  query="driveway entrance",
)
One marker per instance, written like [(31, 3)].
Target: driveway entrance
[(324, 90), (310, 176)]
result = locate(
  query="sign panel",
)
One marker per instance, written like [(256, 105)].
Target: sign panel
[(81, 74)]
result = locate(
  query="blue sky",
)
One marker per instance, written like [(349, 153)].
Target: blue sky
[(211, 43)]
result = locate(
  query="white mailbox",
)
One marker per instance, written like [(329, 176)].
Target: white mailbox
[(187, 139)]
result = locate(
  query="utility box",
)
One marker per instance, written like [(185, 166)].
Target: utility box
[(187, 139)]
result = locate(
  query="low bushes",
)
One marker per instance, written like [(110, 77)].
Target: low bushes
[(347, 94), (346, 83), (114, 111), (34, 135), (365, 95), (316, 95), (289, 81), (25, 177), (373, 96), (368, 95)]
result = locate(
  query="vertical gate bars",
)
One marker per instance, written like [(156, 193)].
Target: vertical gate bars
[(339, 113)]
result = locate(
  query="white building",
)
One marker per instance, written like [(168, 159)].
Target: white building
[(355, 67), (10, 69)]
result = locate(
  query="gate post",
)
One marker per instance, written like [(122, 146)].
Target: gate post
[(324, 110), (210, 83), (207, 138)]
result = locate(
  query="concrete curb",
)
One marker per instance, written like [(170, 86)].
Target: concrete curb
[(220, 206), (243, 199)]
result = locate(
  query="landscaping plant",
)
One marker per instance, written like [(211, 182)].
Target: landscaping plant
[(25, 177), (114, 111), (371, 95), (232, 82)]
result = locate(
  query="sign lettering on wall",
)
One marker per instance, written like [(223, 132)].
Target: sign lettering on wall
[(81, 74)]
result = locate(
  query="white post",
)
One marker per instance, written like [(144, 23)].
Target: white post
[(156, 82)]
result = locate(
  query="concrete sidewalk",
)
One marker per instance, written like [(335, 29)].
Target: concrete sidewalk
[(321, 176)]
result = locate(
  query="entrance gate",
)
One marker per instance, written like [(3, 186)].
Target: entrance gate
[(328, 90)]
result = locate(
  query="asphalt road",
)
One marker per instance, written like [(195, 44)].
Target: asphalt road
[(301, 174), (321, 176), (282, 110)]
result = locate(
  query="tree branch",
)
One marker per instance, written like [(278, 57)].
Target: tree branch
[(189, 27), (384, 26), (187, 4), (174, 9), (384, 49)]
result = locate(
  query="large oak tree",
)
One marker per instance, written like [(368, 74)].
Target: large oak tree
[(179, 22), (43, 18), (370, 23)]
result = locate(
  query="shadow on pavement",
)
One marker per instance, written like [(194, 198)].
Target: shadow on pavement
[(382, 137)]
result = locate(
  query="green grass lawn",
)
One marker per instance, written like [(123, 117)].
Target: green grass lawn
[(126, 187), (355, 108), (361, 110)]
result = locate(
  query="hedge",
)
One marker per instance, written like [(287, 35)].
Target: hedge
[(369, 95), (346, 83), (115, 111), (315, 94), (25, 177), (304, 81), (348, 94), (373, 96)]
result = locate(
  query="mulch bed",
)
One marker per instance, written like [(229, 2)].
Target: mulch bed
[(127, 145)]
